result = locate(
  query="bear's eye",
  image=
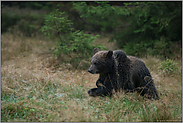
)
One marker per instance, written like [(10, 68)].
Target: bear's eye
[(94, 63)]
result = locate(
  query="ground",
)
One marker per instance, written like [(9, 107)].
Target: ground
[(34, 88)]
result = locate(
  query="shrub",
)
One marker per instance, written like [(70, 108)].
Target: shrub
[(150, 47), (74, 44), (168, 67)]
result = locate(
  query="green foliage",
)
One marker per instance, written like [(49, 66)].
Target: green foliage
[(151, 20), (161, 47), (56, 23), (138, 48), (137, 26), (150, 47), (8, 21), (168, 67), (103, 16), (75, 44), (28, 24)]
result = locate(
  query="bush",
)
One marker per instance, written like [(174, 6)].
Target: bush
[(168, 67), (73, 44), (150, 47)]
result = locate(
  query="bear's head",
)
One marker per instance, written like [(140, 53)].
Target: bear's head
[(102, 62)]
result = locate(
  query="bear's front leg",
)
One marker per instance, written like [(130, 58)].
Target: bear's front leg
[(99, 83), (100, 91), (100, 80)]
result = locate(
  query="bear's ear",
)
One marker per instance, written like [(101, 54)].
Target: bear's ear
[(109, 54), (95, 50)]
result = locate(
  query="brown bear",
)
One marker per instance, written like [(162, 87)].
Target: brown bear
[(118, 71)]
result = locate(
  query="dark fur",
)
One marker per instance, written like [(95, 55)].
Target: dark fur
[(117, 70)]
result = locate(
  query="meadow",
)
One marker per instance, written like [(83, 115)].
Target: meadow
[(36, 87)]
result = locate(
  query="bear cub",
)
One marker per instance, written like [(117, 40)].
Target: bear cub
[(118, 71)]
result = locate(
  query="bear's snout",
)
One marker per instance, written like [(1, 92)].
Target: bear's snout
[(89, 71), (92, 69)]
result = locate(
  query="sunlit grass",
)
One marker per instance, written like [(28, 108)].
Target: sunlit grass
[(32, 89)]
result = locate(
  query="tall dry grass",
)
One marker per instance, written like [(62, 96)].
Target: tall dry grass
[(37, 88)]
